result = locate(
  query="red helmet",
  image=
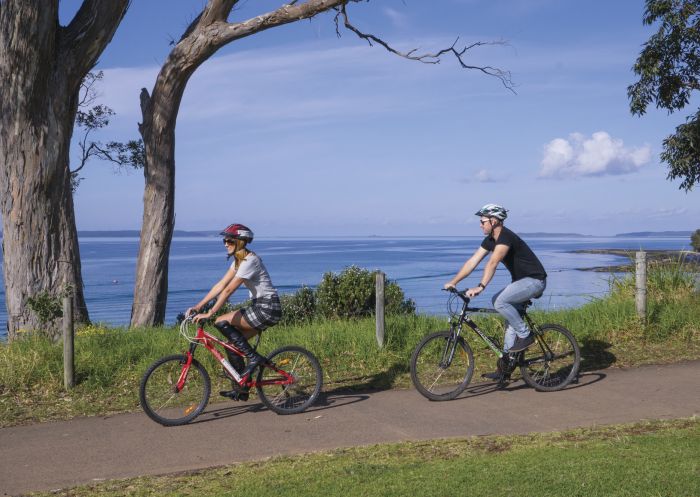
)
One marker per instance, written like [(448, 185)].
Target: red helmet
[(238, 232)]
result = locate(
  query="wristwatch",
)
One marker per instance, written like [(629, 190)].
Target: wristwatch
[(483, 287)]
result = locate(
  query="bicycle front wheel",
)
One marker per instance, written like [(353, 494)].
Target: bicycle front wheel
[(553, 361), (442, 367), (282, 396), (159, 395)]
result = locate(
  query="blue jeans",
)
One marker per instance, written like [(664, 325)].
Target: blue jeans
[(508, 302)]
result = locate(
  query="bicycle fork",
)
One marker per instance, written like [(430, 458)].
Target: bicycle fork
[(449, 353)]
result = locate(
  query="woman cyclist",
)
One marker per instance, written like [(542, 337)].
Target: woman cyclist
[(240, 325)]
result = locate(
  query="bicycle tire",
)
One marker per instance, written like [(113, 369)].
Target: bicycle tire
[(551, 368), (157, 391), (297, 396), (429, 374)]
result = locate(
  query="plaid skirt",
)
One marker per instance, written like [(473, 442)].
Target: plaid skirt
[(263, 312)]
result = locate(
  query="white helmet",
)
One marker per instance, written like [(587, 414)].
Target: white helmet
[(493, 210)]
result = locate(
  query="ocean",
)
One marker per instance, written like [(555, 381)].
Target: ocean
[(419, 265)]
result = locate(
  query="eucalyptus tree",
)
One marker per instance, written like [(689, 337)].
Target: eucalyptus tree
[(91, 118), (669, 76), (206, 34), (42, 65)]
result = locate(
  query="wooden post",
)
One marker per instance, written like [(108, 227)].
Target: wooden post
[(68, 353), (641, 285), (379, 310)]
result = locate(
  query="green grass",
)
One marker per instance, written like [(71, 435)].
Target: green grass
[(109, 362), (638, 460)]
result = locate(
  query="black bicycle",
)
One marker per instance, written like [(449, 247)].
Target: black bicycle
[(443, 362)]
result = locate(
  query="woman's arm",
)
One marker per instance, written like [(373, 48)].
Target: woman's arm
[(221, 298), (215, 290)]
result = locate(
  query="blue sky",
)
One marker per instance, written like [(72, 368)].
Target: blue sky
[(295, 131)]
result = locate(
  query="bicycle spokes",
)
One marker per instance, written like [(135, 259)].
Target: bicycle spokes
[(441, 366), (554, 362), (174, 390), (293, 388)]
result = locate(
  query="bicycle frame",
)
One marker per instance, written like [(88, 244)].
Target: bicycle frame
[(464, 318), (208, 341)]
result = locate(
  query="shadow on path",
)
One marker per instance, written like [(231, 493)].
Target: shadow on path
[(595, 355)]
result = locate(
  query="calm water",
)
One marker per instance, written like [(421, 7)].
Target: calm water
[(420, 266)]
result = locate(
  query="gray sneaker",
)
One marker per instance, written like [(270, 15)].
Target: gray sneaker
[(522, 343)]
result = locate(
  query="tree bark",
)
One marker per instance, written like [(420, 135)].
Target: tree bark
[(41, 67)]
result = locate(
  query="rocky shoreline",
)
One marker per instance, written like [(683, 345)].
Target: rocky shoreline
[(686, 257)]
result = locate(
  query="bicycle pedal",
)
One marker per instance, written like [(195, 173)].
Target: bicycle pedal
[(235, 394), (503, 382)]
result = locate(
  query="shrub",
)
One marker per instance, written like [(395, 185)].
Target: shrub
[(298, 307), (695, 240), (351, 294), (47, 307)]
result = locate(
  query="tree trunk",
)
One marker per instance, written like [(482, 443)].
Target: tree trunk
[(158, 132), (41, 67)]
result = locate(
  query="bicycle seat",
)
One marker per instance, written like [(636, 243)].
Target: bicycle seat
[(522, 308)]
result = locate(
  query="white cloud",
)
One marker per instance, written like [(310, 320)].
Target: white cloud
[(483, 176), (398, 19), (598, 155)]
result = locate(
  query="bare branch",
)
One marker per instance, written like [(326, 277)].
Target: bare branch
[(430, 58), (222, 34), (88, 93)]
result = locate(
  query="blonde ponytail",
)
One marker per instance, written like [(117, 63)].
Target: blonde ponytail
[(240, 252)]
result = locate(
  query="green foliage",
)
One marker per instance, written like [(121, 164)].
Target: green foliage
[(669, 72), (299, 307), (695, 240), (351, 294), (47, 307)]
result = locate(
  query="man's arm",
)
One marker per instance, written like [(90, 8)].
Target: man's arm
[(468, 267), (499, 252)]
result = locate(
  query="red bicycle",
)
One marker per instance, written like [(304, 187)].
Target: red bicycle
[(175, 389)]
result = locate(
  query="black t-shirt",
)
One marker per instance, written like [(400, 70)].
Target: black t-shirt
[(520, 260)]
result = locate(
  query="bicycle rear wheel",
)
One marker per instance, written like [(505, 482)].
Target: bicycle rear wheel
[(295, 397), (441, 368), (553, 361), (158, 393)]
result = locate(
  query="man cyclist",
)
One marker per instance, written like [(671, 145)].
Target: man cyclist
[(264, 311), (529, 278)]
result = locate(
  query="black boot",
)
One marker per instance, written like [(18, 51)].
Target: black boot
[(254, 359), (237, 392)]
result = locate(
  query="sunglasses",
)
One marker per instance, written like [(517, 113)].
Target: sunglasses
[(483, 222), (229, 241)]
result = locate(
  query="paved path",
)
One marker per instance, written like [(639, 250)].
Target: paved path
[(56, 455)]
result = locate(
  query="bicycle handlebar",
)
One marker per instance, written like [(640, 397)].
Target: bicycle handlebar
[(459, 293)]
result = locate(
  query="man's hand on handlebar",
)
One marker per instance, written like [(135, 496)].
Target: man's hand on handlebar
[(469, 292), (473, 292)]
